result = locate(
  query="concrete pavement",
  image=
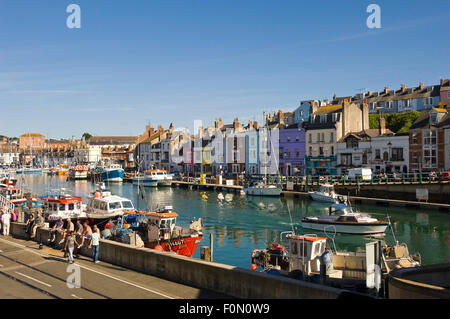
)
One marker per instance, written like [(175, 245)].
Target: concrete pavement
[(31, 273)]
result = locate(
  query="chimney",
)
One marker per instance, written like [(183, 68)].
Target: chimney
[(218, 123), (334, 96), (386, 89), (250, 124), (403, 88), (382, 122), (171, 128), (281, 117), (442, 82), (421, 85), (235, 123)]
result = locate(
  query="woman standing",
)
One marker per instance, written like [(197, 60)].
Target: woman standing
[(70, 245)]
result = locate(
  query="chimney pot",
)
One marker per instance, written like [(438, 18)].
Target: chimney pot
[(421, 85), (386, 89)]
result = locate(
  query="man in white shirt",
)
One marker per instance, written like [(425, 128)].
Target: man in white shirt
[(6, 218), (95, 243)]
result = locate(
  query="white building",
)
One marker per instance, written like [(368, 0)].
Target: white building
[(9, 158)]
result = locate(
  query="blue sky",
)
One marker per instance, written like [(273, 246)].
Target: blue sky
[(146, 61)]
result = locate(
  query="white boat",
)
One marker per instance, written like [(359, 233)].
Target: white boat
[(327, 194), (146, 180), (103, 206), (160, 176), (79, 172), (262, 189), (342, 219), (59, 204)]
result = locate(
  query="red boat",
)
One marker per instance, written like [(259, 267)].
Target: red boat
[(158, 231)]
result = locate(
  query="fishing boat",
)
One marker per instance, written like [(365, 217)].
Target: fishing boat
[(327, 194), (262, 189), (6, 179), (160, 176), (157, 230), (342, 219), (60, 204), (146, 180), (63, 170), (112, 173), (308, 258), (16, 196), (103, 206), (79, 172)]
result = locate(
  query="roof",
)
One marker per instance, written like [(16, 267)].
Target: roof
[(423, 121), (31, 134), (328, 109), (366, 135), (112, 140)]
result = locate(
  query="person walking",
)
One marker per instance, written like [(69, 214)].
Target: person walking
[(95, 243), (6, 218), (70, 245)]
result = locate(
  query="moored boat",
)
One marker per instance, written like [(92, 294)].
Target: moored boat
[(262, 189), (308, 258), (16, 196), (60, 204), (79, 172), (103, 206), (157, 230), (160, 176), (146, 180), (112, 173), (342, 219), (327, 194)]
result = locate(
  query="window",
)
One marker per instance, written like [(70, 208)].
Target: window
[(414, 138), (448, 95), (71, 206), (288, 139), (320, 151), (62, 206), (346, 159), (310, 151), (414, 158), (427, 101), (352, 143), (388, 104), (385, 156), (310, 138), (430, 137), (331, 137), (332, 150), (297, 139), (297, 153), (429, 158), (397, 154), (318, 137)]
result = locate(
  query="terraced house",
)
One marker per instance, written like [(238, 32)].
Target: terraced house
[(426, 141), (326, 126)]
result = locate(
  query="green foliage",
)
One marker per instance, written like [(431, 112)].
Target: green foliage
[(86, 136), (396, 122)]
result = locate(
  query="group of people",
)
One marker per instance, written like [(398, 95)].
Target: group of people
[(73, 236)]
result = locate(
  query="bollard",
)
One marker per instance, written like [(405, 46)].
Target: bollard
[(420, 176)]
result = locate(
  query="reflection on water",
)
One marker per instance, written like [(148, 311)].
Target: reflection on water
[(240, 224)]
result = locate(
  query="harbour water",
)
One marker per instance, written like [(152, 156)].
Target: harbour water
[(240, 224)]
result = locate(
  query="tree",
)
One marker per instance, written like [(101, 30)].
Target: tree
[(396, 122), (86, 136)]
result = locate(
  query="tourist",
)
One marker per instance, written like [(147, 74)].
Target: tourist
[(29, 224), (38, 223), (57, 228), (87, 233), (70, 245), (6, 219), (69, 228), (95, 243), (1, 213)]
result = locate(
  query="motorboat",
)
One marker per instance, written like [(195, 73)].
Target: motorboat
[(16, 196), (310, 259), (161, 176), (5, 178), (158, 230), (79, 172), (103, 206), (342, 219), (262, 189), (327, 194), (60, 204), (146, 180)]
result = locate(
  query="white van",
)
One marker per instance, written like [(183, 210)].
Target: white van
[(365, 174)]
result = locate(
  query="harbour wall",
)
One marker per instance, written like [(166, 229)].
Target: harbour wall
[(229, 280)]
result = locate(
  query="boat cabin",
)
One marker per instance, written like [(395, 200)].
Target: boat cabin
[(105, 202), (326, 189), (305, 252), (155, 173), (62, 205)]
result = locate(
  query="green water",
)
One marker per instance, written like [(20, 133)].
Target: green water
[(245, 223)]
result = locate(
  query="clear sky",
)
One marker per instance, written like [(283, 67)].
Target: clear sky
[(145, 61)]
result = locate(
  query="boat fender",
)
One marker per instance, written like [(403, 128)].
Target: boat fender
[(158, 248), (254, 267)]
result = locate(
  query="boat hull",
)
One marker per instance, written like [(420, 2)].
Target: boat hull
[(145, 182), (182, 246), (353, 228), (78, 175), (322, 198), (164, 182), (263, 191), (115, 175)]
